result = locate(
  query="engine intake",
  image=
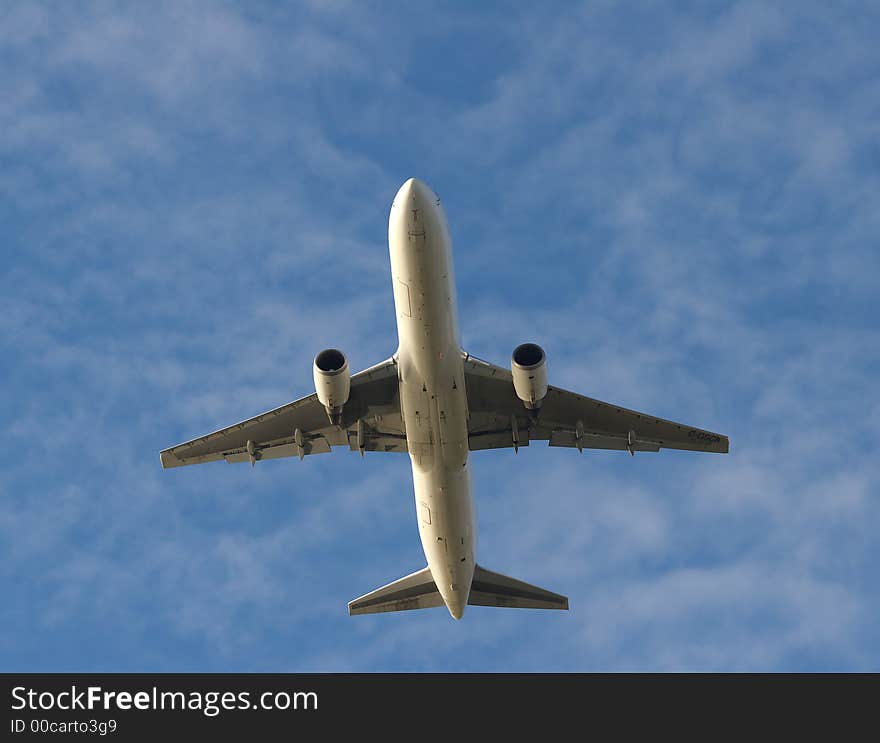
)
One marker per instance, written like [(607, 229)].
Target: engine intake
[(332, 382), (529, 367)]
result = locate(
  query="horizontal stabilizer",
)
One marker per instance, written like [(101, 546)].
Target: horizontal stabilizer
[(494, 589), (415, 591)]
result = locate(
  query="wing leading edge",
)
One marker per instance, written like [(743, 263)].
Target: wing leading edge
[(499, 420)]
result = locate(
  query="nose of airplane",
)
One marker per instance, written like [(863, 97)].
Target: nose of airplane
[(414, 194)]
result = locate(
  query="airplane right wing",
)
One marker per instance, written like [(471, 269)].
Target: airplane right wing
[(372, 414), (498, 419)]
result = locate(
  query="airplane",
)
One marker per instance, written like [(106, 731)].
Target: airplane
[(436, 402)]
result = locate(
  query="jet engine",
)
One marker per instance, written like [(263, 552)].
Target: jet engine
[(332, 382), (529, 367)]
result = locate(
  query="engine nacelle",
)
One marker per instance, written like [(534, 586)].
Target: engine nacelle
[(529, 367), (332, 382)]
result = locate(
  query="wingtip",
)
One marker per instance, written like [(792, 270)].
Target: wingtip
[(168, 459)]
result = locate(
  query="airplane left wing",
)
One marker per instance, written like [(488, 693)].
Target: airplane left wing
[(371, 421), (498, 419)]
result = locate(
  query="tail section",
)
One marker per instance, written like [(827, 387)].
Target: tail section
[(415, 591), (495, 589), (418, 591)]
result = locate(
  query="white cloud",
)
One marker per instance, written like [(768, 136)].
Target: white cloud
[(196, 201)]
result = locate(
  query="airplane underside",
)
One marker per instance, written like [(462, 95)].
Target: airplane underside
[(437, 403)]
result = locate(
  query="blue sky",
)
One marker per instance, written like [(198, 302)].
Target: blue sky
[(679, 201)]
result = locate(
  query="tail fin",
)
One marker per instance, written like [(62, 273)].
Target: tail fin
[(415, 591), (494, 589)]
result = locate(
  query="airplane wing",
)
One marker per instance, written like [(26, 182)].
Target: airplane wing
[(300, 428), (498, 419)]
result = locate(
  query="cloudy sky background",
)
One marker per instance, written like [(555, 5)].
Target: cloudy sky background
[(678, 201)]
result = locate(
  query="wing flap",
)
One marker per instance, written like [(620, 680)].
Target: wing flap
[(599, 441), (499, 439), (316, 445), (387, 441)]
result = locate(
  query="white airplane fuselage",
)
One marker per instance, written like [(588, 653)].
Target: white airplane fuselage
[(433, 398)]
